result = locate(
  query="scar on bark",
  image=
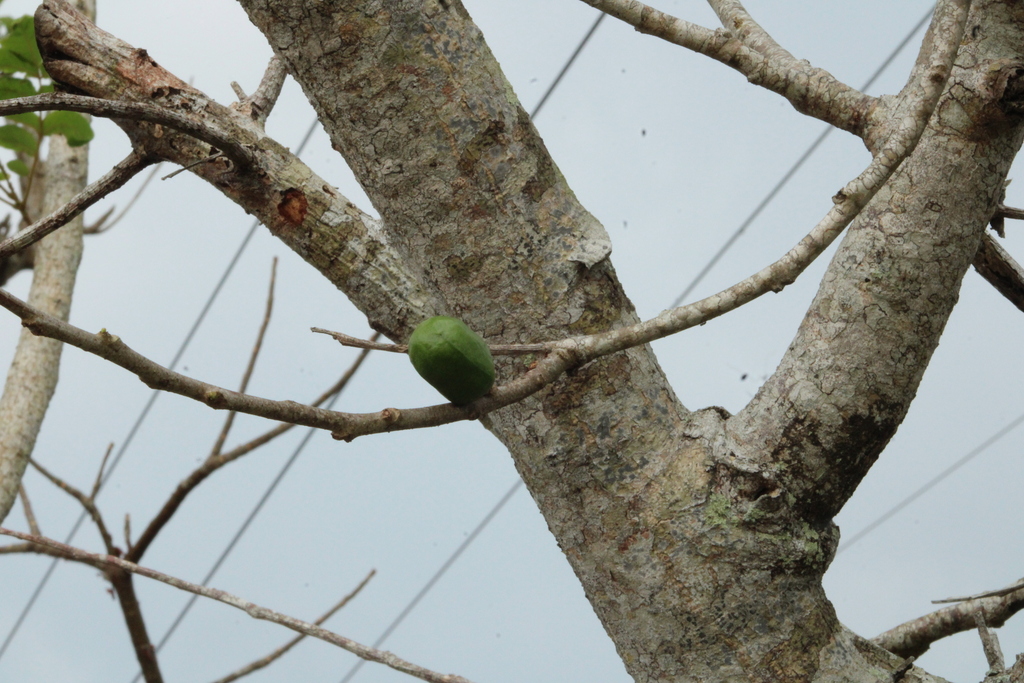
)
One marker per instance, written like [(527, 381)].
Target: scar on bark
[(293, 206)]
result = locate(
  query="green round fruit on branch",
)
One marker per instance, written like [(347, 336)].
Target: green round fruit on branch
[(452, 358)]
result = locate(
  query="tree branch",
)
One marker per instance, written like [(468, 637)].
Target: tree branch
[(737, 20), (253, 610), (812, 91), (124, 171), (264, 662), (260, 103), (30, 515), (496, 349), (1001, 270), (215, 462), (230, 420), (567, 353), (84, 500), (913, 638), (145, 653), (843, 386), (239, 151), (302, 209)]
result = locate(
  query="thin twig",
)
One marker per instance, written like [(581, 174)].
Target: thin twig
[(1012, 588), (126, 169), (212, 464), (97, 227), (253, 610), (900, 673), (33, 524), (101, 226), (281, 651), (990, 643), (1010, 212), (496, 349), (230, 420), (204, 160), (86, 502), (127, 533), (99, 474)]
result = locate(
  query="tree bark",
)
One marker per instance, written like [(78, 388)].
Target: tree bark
[(32, 377), (700, 538)]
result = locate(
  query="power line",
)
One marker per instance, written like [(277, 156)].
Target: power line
[(144, 413), (488, 518), (788, 175), (932, 483)]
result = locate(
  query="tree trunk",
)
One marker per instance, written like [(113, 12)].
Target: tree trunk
[(700, 538)]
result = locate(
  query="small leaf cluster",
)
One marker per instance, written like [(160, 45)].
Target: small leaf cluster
[(22, 75)]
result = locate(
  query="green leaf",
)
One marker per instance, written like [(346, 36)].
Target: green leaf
[(70, 124), (17, 138), (18, 49), (11, 87), (30, 119), (19, 167)]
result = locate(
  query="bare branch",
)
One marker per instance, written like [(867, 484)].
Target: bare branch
[(102, 225), (998, 592), (947, 22), (236, 150), (294, 203), (145, 653), (124, 171), (496, 349), (261, 102), (33, 525), (812, 91), (737, 20), (342, 425), (900, 673), (222, 437), (253, 610), (914, 637), (213, 463), (99, 473), (1001, 270), (86, 502), (990, 642), (128, 533), (281, 651)]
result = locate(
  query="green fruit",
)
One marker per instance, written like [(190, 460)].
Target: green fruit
[(452, 358)]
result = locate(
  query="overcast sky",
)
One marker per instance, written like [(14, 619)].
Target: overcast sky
[(671, 151)]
